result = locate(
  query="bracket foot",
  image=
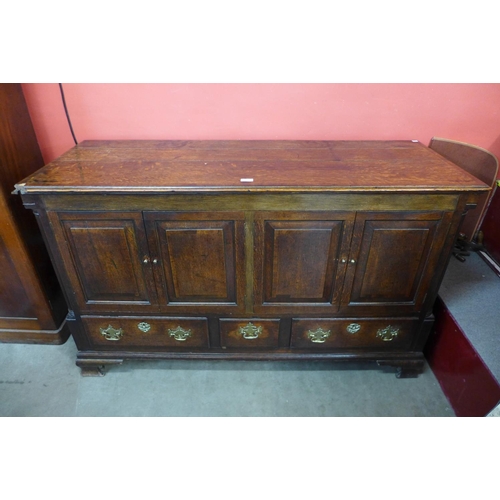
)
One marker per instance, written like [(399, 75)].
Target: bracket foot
[(409, 368), (95, 367)]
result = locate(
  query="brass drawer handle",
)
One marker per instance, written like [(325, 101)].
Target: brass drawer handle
[(144, 327), (111, 333), (353, 328), (179, 333), (318, 336), (388, 333), (250, 331)]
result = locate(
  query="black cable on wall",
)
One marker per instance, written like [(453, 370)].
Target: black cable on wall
[(66, 111)]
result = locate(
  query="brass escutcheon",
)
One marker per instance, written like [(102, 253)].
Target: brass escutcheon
[(388, 333), (144, 327), (111, 333), (318, 336), (179, 333), (353, 328), (250, 331)]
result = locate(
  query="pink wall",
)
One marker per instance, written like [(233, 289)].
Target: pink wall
[(463, 112)]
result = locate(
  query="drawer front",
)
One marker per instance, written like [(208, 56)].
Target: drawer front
[(389, 333), (120, 332), (249, 333)]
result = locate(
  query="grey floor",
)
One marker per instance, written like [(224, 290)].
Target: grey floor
[(44, 381)]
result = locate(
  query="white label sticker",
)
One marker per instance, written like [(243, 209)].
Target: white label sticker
[(246, 180)]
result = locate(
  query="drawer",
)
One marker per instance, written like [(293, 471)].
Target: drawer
[(125, 331), (249, 333), (387, 333)]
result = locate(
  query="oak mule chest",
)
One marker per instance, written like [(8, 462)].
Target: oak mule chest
[(250, 249)]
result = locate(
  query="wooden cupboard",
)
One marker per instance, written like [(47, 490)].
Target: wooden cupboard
[(32, 306), (251, 249)]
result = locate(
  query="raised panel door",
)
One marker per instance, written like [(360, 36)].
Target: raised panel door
[(198, 259), (298, 260), (107, 260), (392, 260)]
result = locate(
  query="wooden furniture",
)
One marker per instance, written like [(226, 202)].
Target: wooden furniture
[(478, 162), (251, 249), (32, 307)]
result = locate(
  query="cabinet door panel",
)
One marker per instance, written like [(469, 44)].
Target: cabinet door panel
[(199, 257), (394, 254), (106, 258), (297, 262)]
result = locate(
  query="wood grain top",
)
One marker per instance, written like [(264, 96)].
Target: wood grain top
[(204, 166)]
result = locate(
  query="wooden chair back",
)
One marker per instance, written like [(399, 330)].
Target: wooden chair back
[(481, 164)]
